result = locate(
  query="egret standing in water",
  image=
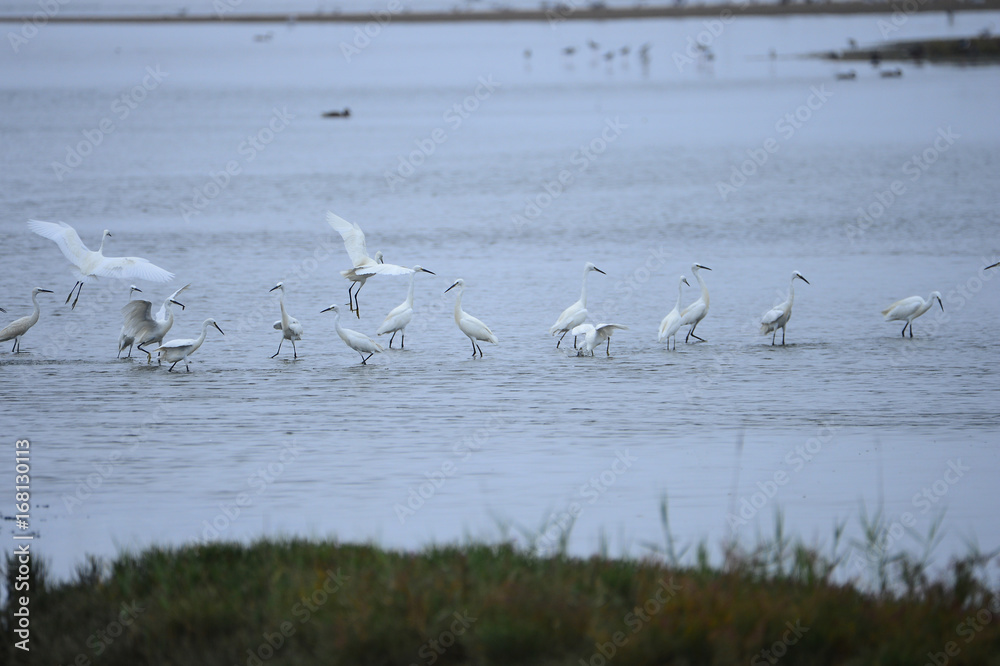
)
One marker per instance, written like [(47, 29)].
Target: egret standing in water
[(89, 266), (175, 351), (17, 328), (672, 322), (472, 327), (290, 327), (125, 338), (910, 308), (593, 336), (146, 329), (399, 317), (694, 313), (778, 316), (575, 314), (359, 342), (364, 266)]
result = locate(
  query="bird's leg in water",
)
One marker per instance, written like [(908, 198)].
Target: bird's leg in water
[(295, 352), (171, 368), (563, 336), (903, 332), (479, 348), (402, 339), (782, 336), (391, 339), (473, 347), (911, 329), (608, 351), (773, 336), (364, 359), (279, 346)]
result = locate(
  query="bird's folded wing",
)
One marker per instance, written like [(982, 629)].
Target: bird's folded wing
[(382, 269), (64, 236), (354, 238), (132, 268), (183, 342), (772, 316)]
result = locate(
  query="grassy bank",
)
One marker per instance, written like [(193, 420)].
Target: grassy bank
[(306, 602)]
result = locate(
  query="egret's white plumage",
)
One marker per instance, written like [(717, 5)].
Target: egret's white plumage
[(125, 338), (472, 327), (89, 266), (175, 351), (364, 266), (694, 313), (778, 316), (593, 336), (399, 317), (17, 328), (910, 308), (289, 326), (145, 328), (672, 322), (359, 342), (575, 314)]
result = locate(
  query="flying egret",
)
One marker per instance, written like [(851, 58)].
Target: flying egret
[(694, 313), (778, 316), (359, 342), (88, 266), (595, 335), (910, 308), (290, 327), (17, 328), (144, 327), (672, 322), (175, 351), (399, 317), (575, 314), (472, 327), (125, 338), (364, 266)]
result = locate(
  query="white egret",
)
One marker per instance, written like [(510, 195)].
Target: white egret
[(290, 327), (125, 338), (910, 308), (88, 266), (694, 313), (575, 314), (595, 335), (144, 327), (359, 342), (672, 322), (778, 316), (472, 327), (17, 328), (364, 266), (399, 317), (175, 351)]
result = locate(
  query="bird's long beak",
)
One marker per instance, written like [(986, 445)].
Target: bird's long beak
[(450, 288), (47, 291), (685, 281), (177, 303), (326, 310), (803, 279), (599, 270), (2, 310), (705, 267), (427, 271), (272, 289), (220, 330), (993, 266), (941, 304), (136, 289)]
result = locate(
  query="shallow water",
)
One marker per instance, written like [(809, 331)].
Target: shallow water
[(125, 454)]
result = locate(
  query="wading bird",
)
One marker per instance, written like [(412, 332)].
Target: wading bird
[(88, 266), (290, 327), (909, 309), (125, 338), (778, 316), (672, 322), (175, 351), (595, 335), (472, 327), (575, 314), (399, 317), (359, 342), (146, 329), (17, 328), (364, 266), (694, 313)]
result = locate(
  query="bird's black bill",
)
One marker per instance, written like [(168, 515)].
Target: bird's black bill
[(599, 270), (220, 330), (177, 303), (46, 291), (450, 288)]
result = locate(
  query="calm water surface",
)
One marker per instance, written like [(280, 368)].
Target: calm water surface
[(125, 455)]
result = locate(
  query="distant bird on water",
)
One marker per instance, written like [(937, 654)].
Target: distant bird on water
[(346, 113), (910, 308), (778, 316), (88, 266), (17, 328)]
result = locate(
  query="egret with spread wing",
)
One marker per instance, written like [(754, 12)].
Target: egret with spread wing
[(593, 336), (125, 338), (146, 329)]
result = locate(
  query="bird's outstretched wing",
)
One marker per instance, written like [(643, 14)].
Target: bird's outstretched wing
[(136, 316), (606, 330), (582, 329), (64, 236), (354, 238), (132, 268), (162, 312), (382, 269)]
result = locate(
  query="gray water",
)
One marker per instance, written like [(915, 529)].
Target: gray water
[(846, 414)]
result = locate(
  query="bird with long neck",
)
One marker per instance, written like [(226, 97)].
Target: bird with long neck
[(359, 342), (694, 313), (289, 326), (472, 327), (778, 316), (175, 351), (672, 322), (910, 308), (575, 314), (17, 328), (125, 338), (400, 316)]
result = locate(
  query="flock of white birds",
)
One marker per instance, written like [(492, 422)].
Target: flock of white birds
[(142, 329)]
